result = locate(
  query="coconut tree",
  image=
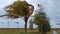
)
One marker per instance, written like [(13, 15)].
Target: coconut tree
[(19, 9)]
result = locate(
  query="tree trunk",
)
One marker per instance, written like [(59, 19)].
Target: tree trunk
[(41, 29), (25, 26)]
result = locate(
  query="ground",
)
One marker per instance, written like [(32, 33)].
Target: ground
[(21, 31), (57, 30)]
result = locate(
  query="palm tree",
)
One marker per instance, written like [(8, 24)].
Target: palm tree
[(19, 9)]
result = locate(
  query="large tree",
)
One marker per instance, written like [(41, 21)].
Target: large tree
[(19, 9)]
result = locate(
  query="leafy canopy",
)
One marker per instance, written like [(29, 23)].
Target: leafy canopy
[(20, 8)]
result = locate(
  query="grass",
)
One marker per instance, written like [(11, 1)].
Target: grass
[(20, 31), (16, 31), (58, 31)]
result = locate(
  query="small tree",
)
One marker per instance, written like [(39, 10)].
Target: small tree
[(42, 23), (41, 20)]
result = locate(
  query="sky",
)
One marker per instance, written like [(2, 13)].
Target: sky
[(51, 7)]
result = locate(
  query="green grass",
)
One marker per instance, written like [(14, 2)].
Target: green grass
[(20, 31), (17, 31), (58, 31)]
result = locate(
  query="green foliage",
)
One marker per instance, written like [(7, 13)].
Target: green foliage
[(18, 5), (37, 19), (15, 14), (45, 27), (42, 23), (19, 8)]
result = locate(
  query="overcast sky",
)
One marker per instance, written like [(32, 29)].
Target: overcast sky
[(51, 7)]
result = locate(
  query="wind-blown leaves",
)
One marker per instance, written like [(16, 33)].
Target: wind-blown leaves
[(20, 8), (37, 19), (42, 23)]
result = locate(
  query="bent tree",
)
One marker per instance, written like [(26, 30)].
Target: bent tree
[(19, 9), (42, 22)]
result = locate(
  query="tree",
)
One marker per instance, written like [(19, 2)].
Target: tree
[(19, 8), (42, 23), (41, 20)]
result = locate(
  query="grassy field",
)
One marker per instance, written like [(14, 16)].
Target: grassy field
[(57, 30), (17, 31), (20, 31)]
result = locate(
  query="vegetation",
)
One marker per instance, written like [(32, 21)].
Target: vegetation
[(42, 22), (20, 31), (20, 8)]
